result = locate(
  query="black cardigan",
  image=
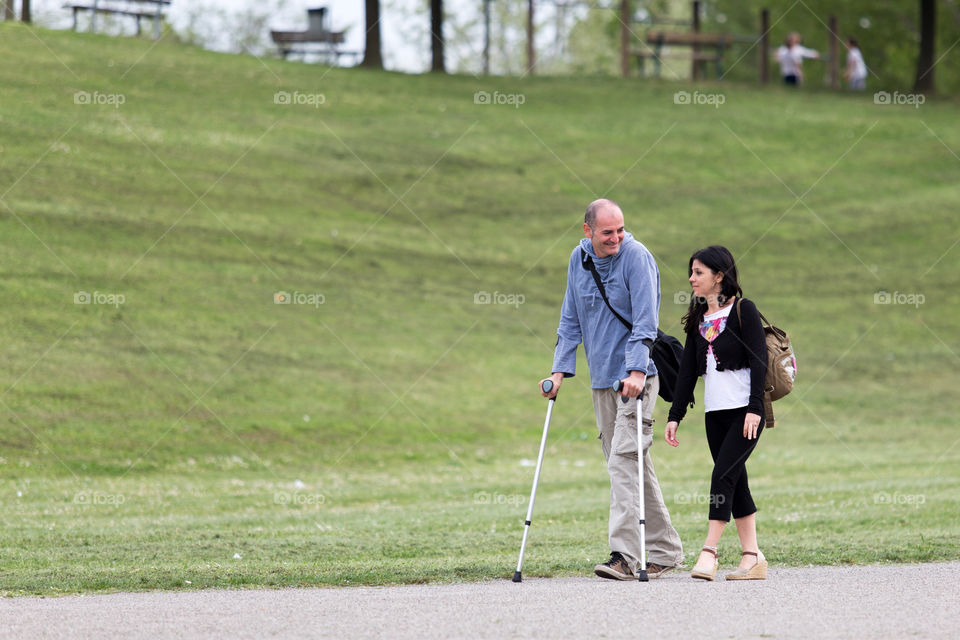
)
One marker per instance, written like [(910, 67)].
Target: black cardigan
[(737, 347)]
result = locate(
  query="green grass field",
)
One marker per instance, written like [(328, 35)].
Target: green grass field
[(183, 431)]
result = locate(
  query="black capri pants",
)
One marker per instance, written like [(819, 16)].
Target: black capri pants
[(729, 490)]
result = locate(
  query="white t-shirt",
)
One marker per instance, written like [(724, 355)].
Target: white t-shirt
[(859, 71), (722, 389), (791, 59)]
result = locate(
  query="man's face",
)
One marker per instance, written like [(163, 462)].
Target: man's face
[(607, 233)]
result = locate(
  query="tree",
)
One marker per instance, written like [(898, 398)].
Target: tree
[(9, 12), (372, 57), (24, 11), (248, 28), (436, 35), (928, 33), (531, 49)]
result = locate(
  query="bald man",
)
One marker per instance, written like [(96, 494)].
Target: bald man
[(632, 284)]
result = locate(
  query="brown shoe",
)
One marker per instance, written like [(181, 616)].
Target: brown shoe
[(655, 570), (615, 569)]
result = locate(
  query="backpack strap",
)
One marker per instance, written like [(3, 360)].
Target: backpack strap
[(766, 323)]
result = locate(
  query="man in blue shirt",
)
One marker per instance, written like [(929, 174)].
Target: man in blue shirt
[(632, 283)]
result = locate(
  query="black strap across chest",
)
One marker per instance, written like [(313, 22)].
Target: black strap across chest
[(587, 262)]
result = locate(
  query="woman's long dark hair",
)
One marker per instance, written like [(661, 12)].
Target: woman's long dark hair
[(719, 260)]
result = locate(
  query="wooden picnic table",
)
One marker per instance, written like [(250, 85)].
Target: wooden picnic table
[(137, 9), (318, 33), (716, 42)]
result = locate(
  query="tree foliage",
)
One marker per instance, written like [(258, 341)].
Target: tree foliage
[(888, 32)]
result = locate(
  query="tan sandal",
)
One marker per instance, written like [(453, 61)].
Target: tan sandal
[(704, 574), (757, 572)]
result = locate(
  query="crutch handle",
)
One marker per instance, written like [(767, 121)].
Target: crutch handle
[(547, 386), (618, 385)]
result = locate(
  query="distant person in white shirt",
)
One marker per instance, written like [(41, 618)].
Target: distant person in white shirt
[(856, 71), (790, 56)]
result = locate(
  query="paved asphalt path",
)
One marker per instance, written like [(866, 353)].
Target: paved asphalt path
[(900, 601)]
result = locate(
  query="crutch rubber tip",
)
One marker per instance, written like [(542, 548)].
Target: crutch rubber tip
[(643, 577), (516, 577)]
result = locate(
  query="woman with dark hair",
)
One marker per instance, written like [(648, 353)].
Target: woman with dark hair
[(725, 344)]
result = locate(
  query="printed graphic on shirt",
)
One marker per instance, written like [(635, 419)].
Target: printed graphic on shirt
[(710, 329)]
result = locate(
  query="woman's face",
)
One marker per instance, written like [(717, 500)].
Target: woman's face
[(705, 281)]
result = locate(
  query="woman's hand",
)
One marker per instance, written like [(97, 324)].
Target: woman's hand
[(670, 434), (751, 423)]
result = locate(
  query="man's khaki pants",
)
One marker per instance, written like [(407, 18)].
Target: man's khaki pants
[(617, 422)]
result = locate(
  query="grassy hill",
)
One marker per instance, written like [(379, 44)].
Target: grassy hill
[(374, 429)]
